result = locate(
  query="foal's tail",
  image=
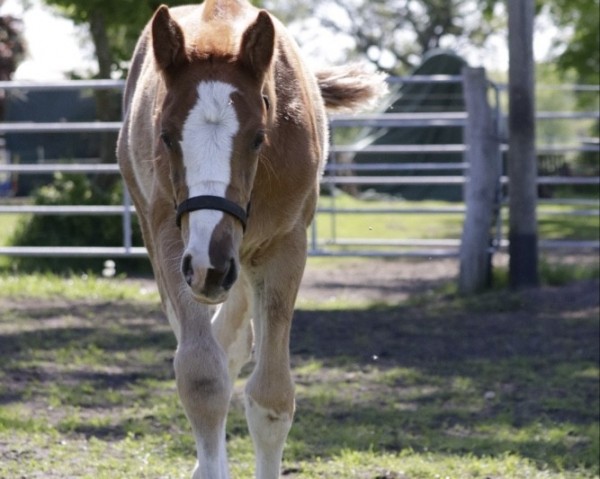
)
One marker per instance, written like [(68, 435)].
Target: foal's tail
[(350, 87)]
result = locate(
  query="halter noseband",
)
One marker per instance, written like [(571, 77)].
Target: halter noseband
[(208, 202)]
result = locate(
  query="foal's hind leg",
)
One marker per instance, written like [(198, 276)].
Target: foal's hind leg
[(270, 389)]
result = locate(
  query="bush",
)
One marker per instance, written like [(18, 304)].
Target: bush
[(54, 230)]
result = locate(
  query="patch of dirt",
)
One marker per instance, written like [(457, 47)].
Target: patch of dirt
[(367, 280), (375, 280), (394, 281)]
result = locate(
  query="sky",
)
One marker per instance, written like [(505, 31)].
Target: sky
[(56, 46)]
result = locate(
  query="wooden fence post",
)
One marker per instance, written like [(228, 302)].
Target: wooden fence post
[(482, 182)]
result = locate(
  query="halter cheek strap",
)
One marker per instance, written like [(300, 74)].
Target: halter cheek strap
[(208, 202)]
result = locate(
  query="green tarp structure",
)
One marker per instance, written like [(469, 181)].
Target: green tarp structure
[(424, 97)]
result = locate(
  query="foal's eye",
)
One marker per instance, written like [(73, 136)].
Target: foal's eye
[(259, 139), (166, 139)]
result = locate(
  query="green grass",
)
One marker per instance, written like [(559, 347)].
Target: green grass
[(387, 226), (559, 273), (74, 287), (553, 271), (492, 387)]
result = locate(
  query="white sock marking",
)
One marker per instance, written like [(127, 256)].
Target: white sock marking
[(269, 431)]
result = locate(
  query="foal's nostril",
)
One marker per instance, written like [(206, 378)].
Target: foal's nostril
[(230, 277), (222, 278), (187, 270)]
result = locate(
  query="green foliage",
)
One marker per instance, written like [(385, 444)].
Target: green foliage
[(426, 24), (122, 20), (12, 45), (392, 34), (582, 53), (47, 230)]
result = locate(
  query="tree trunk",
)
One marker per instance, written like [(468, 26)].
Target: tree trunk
[(107, 105)]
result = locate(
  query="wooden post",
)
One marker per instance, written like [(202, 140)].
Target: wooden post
[(482, 183), (522, 165)]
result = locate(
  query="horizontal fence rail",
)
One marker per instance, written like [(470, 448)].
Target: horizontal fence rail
[(74, 251), (336, 175), (41, 168), (58, 85), (61, 127), (77, 210), (389, 120)]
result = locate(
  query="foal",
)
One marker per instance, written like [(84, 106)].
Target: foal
[(222, 146)]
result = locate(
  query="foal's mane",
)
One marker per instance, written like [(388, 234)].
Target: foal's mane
[(222, 9), (216, 35)]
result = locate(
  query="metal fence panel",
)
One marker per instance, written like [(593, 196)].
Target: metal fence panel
[(381, 174)]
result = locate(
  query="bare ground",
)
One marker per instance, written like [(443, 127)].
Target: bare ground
[(375, 280), (395, 281)]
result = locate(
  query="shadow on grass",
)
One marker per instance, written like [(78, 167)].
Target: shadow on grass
[(503, 374), (86, 349)]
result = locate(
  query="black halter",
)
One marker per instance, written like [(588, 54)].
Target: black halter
[(207, 202)]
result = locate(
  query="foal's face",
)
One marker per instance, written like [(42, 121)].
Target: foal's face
[(211, 127), (212, 131)]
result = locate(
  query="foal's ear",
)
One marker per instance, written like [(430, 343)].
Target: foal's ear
[(167, 39), (258, 43)]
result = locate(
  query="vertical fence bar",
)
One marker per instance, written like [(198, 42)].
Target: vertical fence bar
[(127, 230), (499, 193), (313, 234), (332, 189)]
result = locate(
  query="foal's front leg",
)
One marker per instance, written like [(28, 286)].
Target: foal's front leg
[(204, 390), (200, 363), (270, 389)]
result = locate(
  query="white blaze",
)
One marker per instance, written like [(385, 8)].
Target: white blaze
[(206, 144)]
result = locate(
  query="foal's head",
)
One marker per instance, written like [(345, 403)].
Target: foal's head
[(212, 127)]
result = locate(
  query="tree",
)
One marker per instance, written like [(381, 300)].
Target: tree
[(577, 47), (114, 28), (580, 52), (12, 50), (12, 45), (394, 34)]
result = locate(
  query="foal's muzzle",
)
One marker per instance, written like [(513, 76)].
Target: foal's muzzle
[(210, 263)]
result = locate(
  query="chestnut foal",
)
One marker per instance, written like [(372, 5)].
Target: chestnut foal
[(223, 142)]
